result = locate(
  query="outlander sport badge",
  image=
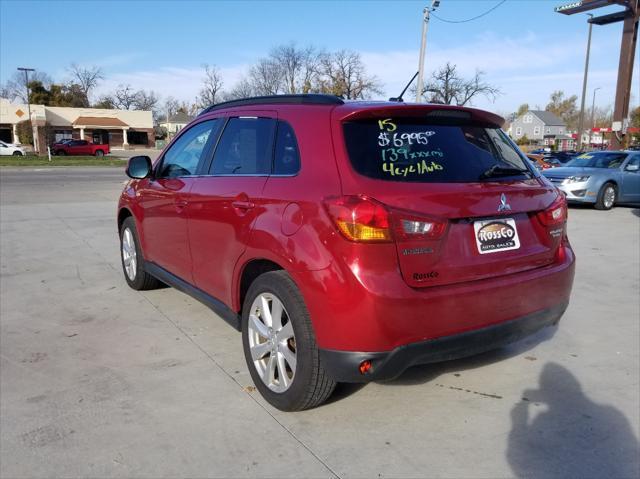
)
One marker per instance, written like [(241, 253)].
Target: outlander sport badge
[(503, 206)]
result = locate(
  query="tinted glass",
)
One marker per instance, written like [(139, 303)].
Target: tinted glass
[(598, 160), (245, 148), (183, 156), (287, 157), (409, 151)]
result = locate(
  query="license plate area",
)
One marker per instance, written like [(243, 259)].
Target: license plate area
[(495, 235)]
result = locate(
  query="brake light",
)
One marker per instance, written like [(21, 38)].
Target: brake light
[(556, 213), (360, 218)]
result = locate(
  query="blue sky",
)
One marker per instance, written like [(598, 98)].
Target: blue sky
[(524, 47)]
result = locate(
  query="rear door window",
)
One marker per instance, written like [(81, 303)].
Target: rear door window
[(245, 148), (408, 150)]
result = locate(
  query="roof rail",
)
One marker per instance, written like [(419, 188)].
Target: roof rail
[(302, 99)]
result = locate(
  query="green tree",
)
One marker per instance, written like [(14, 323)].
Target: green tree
[(25, 132), (523, 140), (564, 108), (522, 109)]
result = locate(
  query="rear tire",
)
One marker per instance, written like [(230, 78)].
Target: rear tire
[(132, 260), (99, 153), (606, 197), (294, 379), (16, 153)]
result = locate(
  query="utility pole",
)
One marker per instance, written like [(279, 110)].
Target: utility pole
[(593, 114), (26, 85), (584, 87), (423, 46)]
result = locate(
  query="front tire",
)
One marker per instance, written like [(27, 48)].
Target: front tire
[(132, 260), (280, 347), (606, 197), (17, 153), (60, 153)]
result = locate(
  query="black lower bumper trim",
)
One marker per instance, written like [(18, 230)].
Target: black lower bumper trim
[(343, 366)]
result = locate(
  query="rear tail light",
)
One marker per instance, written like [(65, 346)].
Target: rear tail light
[(359, 218), (554, 214)]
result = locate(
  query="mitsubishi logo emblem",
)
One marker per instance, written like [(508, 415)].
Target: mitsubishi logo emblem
[(503, 206)]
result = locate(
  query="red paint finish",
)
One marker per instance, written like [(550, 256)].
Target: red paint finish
[(362, 295)]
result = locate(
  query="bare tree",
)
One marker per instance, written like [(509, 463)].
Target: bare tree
[(298, 67), (243, 89), (15, 88), (211, 87), (448, 87), (145, 100), (343, 74), (266, 77), (87, 77), (124, 97)]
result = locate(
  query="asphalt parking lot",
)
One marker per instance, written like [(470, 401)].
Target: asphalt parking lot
[(97, 380)]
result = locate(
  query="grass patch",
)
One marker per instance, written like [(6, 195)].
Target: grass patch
[(32, 160)]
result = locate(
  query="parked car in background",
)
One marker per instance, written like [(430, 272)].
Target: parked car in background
[(11, 149), (79, 147), (539, 162), (560, 157), (540, 151), (601, 178), (348, 241)]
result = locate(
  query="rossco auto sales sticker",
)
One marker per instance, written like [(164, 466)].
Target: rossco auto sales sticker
[(496, 235)]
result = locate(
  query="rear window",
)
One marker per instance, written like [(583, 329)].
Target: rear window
[(410, 151)]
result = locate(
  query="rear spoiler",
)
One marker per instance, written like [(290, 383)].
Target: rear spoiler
[(447, 113)]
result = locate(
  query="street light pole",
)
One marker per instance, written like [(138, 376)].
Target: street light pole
[(26, 85), (423, 46), (593, 116), (584, 87)]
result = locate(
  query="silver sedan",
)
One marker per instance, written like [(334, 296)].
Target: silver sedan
[(601, 178)]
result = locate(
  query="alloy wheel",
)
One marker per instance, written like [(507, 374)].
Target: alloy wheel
[(272, 342), (129, 254), (609, 196)]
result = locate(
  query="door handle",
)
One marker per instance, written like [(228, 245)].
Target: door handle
[(243, 205)]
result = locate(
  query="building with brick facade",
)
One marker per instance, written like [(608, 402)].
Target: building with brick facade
[(121, 129)]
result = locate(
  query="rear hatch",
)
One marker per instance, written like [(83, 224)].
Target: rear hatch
[(463, 203)]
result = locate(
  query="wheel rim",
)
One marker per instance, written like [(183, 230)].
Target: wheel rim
[(609, 196), (272, 343), (129, 254)]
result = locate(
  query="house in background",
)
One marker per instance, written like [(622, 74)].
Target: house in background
[(175, 123), (542, 128), (119, 128)]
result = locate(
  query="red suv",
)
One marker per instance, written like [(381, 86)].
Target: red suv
[(349, 240)]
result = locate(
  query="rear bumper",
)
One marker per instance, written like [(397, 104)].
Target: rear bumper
[(343, 366)]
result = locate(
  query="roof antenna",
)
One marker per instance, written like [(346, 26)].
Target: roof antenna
[(399, 99)]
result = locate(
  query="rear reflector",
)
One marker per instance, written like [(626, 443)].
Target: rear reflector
[(365, 366), (360, 218)]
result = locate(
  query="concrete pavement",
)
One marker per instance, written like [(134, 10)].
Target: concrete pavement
[(97, 380)]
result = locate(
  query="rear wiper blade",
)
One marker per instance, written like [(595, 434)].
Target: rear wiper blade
[(497, 170)]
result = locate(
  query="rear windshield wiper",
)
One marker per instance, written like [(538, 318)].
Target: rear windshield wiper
[(497, 170)]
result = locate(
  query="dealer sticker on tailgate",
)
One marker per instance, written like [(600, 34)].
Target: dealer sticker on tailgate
[(496, 235)]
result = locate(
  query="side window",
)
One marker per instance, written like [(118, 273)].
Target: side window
[(635, 162), (83, 143), (182, 158), (287, 155), (245, 148)]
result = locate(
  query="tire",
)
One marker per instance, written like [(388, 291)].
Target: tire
[(135, 275), (606, 197), (16, 153), (309, 385), (60, 153), (99, 153)]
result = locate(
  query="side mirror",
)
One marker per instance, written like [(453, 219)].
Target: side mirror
[(138, 167), (632, 168)]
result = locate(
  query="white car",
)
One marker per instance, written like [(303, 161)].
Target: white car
[(11, 149)]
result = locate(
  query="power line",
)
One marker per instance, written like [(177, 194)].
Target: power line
[(470, 19)]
